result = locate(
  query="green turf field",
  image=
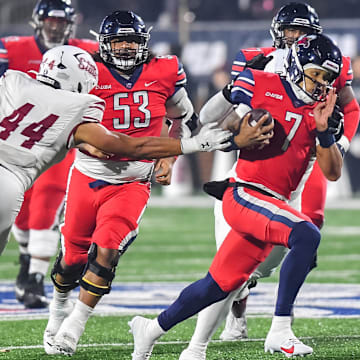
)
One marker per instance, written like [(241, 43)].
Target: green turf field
[(177, 244)]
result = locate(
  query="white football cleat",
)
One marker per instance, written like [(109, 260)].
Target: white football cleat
[(235, 328), (290, 345), (68, 336), (189, 354), (56, 317), (143, 341)]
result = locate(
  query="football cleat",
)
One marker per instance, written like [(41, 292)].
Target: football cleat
[(68, 336), (56, 317), (235, 327), (143, 343), (34, 295), (22, 277), (189, 354), (290, 345)]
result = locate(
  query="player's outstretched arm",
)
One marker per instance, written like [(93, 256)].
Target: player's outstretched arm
[(208, 139), (327, 153)]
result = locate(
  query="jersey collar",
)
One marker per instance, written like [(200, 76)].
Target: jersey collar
[(128, 83)]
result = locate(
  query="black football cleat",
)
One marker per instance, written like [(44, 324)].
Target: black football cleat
[(22, 277), (34, 296)]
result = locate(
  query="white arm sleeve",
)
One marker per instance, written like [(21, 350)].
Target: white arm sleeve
[(179, 111), (217, 108)]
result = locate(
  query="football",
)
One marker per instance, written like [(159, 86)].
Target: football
[(257, 114)]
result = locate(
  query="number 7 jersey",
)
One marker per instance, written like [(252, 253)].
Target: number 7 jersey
[(279, 166), (37, 123)]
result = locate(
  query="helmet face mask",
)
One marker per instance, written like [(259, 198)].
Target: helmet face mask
[(54, 21), (123, 40), (313, 52), (297, 16), (68, 68)]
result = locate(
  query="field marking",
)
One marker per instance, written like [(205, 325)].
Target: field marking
[(177, 342), (314, 300)]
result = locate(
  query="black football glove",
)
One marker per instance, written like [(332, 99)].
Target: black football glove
[(336, 122), (258, 62)]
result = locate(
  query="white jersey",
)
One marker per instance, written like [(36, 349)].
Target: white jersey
[(35, 134)]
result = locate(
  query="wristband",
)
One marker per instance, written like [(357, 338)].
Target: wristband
[(326, 138), (189, 145)]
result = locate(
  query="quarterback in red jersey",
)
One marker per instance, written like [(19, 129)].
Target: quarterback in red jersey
[(111, 195), (36, 227), (254, 202), (291, 21)]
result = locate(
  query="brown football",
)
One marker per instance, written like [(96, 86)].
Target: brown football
[(257, 114)]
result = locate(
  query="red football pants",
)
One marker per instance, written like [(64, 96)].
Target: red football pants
[(108, 216), (258, 222)]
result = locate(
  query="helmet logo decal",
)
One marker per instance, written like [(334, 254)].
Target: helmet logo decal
[(61, 65), (86, 65), (305, 41)]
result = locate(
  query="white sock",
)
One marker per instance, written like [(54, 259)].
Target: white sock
[(56, 311), (79, 317), (60, 298), (209, 319), (38, 266), (281, 324)]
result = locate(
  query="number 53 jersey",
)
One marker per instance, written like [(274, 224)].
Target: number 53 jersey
[(37, 123), (135, 106)]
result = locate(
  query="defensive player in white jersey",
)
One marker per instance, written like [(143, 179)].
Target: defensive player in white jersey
[(37, 130)]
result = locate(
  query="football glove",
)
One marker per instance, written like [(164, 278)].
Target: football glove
[(258, 62)]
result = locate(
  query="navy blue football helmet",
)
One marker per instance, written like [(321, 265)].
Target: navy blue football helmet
[(61, 26), (123, 26), (294, 14), (311, 51)]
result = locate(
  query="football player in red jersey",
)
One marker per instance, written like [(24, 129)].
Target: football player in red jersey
[(255, 200), (291, 21), (106, 199), (36, 227)]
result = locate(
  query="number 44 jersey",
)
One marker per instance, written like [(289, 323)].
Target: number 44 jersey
[(37, 123)]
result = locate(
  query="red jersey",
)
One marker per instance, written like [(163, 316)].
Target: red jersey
[(24, 53), (345, 79), (136, 105), (280, 165)]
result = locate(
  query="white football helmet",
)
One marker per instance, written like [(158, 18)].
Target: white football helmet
[(69, 68)]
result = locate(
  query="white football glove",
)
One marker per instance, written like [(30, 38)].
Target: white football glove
[(209, 138)]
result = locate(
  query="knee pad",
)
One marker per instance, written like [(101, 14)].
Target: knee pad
[(43, 243), (99, 270), (72, 278)]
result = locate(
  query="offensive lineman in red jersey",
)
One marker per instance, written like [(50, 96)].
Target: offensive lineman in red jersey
[(36, 226), (111, 195), (291, 21), (254, 202)]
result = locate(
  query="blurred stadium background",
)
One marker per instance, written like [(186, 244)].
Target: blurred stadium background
[(206, 34)]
